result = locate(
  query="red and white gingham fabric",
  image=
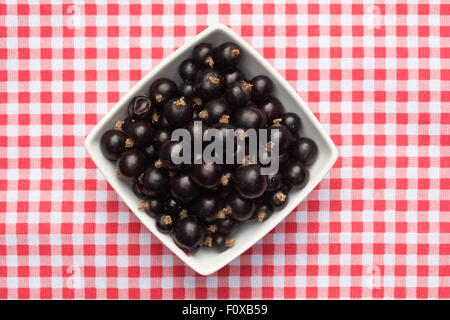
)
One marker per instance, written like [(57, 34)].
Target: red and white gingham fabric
[(376, 75)]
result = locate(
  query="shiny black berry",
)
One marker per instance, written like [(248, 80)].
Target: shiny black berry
[(141, 132), (276, 199), (153, 206), (195, 131), (248, 117), (141, 108), (168, 152), (206, 175), (113, 143), (161, 91), (131, 163), (172, 206), (224, 132), (241, 209), (221, 242), (248, 181), (280, 134), (188, 70), (296, 174), (227, 55), (182, 188), (161, 135), (164, 223), (274, 181), (263, 212), (305, 150), (189, 233), (186, 90), (262, 88), (203, 55), (284, 158), (123, 125), (233, 75), (209, 84), (207, 206), (238, 93), (215, 110), (292, 121), (227, 225), (150, 151), (155, 181), (272, 108), (178, 111), (136, 187)]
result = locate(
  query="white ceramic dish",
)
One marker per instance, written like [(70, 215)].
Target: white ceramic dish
[(207, 261)]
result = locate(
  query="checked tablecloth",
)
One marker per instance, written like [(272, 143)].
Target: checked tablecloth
[(376, 75)]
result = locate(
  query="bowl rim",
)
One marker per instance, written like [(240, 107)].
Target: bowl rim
[(277, 78)]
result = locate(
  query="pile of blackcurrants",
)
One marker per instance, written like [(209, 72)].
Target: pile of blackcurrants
[(202, 204)]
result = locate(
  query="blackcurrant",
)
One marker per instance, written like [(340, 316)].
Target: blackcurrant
[(113, 143), (272, 108), (292, 121), (274, 181), (195, 132), (189, 233), (186, 90), (262, 88), (188, 70), (296, 174), (238, 93), (131, 163), (169, 151), (249, 182), (263, 212), (161, 91), (161, 135), (209, 84), (280, 134), (227, 225), (224, 133), (215, 110), (155, 181), (276, 199), (233, 75), (164, 223), (207, 207), (248, 117), (227, 55), (150, 151), (172, 206), (162, 122), (136, 187), (182, 188), (305, 150), (178, 111), (206, 175), (123, 125), (203, 55), (141, 132), (220, 242), (141, 108), (284, 158), (241, 209), (153, 206)]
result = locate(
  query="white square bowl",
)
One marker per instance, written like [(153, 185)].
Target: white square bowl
[(207, 261)]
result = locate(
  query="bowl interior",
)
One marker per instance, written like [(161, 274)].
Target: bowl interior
[(207, 260)]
